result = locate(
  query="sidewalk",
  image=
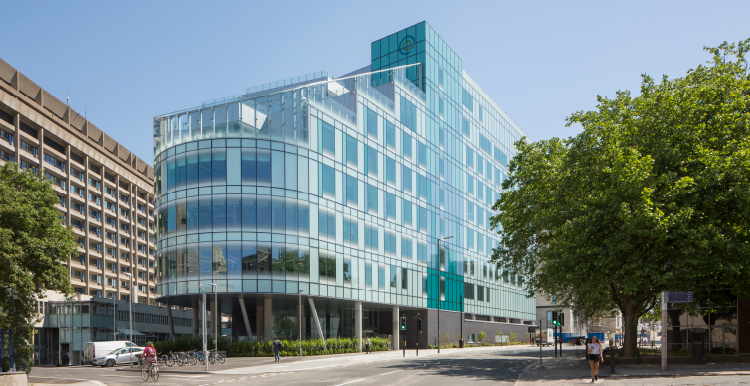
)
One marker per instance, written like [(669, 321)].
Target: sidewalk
[(573, 368)]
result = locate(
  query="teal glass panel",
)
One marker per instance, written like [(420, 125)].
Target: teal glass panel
[(375, 47), (384, 46)]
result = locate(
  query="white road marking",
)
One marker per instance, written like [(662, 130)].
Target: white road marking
[(391, 372), (342, 384)]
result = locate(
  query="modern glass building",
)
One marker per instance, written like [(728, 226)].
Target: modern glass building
[(339, 189)]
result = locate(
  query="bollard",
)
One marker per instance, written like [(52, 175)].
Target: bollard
[(404, 349), (417, 348), (612, 365)]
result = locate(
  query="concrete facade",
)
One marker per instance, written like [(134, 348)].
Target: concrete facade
[(106, 192)]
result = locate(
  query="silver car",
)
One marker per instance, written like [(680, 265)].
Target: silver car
[(119, 356)]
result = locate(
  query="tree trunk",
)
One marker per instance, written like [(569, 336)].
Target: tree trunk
[(629, 326)]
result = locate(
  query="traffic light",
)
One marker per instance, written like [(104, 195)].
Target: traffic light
[(419, 325), (403, 323), (554, 317), (562, 318)]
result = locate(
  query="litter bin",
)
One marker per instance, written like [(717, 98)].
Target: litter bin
[(698, 353)]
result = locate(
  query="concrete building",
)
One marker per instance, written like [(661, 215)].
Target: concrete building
[(339, 190), (105, 191), (106, 197), (574, 325)]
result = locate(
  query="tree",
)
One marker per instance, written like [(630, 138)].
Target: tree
[(481, 336), (651, 196), (34, 249)]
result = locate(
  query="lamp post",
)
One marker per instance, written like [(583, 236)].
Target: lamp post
[(130, 303), (299, 322), (203, 324), (114, 316), (216, 316), (438, 293)]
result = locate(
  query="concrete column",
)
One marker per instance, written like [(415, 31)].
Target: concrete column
[(267, 319), (259, 330), (196, 311), (170, 320), (396, 329), (245, 319), (358, 325)]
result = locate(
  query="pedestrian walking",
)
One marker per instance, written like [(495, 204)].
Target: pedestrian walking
[(594, 355), (367, 345), (276, 349)]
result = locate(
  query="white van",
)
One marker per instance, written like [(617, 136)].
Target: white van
[(92, 349)]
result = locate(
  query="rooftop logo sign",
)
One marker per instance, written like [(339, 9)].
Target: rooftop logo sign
[(407, 45)]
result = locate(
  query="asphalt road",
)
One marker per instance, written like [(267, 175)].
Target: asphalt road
[(480, 366)]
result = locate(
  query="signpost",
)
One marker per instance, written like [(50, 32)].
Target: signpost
[(680, 297)]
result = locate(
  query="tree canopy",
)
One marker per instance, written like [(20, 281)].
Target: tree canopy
[(34, 249), (652, 195)]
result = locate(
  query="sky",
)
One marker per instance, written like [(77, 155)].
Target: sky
[(126, 62)]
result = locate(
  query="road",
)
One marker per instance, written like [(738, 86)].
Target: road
[(479, 366)]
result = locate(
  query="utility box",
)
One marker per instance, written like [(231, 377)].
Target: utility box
[(698, 353)]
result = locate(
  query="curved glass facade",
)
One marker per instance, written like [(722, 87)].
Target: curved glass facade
[(340, 189)]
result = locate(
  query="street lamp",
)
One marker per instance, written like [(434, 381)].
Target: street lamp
[(130, 302), (438, 294), (203, 324), (216, 316), (299, 321)]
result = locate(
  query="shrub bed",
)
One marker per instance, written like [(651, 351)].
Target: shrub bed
[(263, 349)]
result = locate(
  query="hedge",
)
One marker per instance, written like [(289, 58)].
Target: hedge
[(263, 349)]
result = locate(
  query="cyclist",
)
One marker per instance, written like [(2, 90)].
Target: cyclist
[(149, 355)]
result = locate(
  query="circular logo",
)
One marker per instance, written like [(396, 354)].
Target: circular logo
[(407, 45)]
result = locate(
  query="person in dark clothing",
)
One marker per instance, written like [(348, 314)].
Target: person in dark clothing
[(367, 345), (276, 349)]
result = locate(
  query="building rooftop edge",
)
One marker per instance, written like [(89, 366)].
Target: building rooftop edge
[(20, 83)]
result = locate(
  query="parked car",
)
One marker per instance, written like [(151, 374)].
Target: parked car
[(93, 349), (579, 340), (119, 356)]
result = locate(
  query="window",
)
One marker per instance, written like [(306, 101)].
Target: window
[(328, 185), (390, 171), (95, 184), (352, 194), (371, 123), (404, 278), (406, 146), (389, 240), (328, 141), (28, 130), (372, 199), (468, 100), (95, 199), (95, 214), (407, 251), (371, 237), (109, 191), (28, 148), (351, 152), (76, 190), (406, 215), (466, 127), (351, 231), (56, 181), (371, 162), (54, 162), (406, 179), (390, 206), (327, 224), (408, 114), (62, 200), (5, 135), (7, 156), (390, 135)]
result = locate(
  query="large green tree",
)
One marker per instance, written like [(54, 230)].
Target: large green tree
[(34, 249), (652, 195)]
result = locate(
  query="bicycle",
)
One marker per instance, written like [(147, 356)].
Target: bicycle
[(152, 370), (214, 356), (170, 360)]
